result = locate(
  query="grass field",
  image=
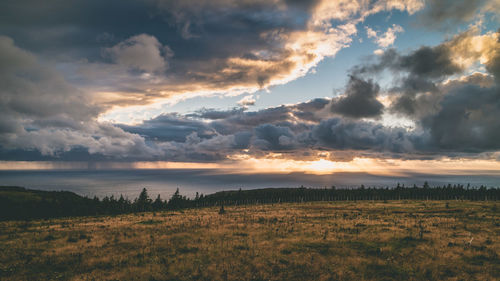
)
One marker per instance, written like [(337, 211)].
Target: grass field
[(395, 240)]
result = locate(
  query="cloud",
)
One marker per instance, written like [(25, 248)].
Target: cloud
[(120, 53), (247, 100), (41, 111), (467, 120), (138, 52), (426, 62), (454, 116), (341, 134), (141, 52), (387, 38), (274, 130), (415, 90), (447, 14), (104, 140), (455, 113), (419, 76), (272, 137), (172, 127), (359, 100), (215, 114), (31, 90)]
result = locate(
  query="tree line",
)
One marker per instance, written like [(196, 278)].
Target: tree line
[(302, 194), (20, 203)]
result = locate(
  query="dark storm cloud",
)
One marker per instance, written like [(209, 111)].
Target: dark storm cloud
[(170, 127), (213, 135), (307, 110), (40, 111), (275, 138), (359, 100), (30, 89), (457, 116), (104, 44), (407, 100), (427, 62), (273, 130), (266, 124), (414, 74), (281, 133), (77, 28), (426, 67), (448, 13), (249, 120), (134, 52), (468, 120), (96, 32), (464, 123), (53, 120), (340, 134)]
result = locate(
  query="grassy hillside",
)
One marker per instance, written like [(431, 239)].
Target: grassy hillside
[(21, 203), (364, 240)]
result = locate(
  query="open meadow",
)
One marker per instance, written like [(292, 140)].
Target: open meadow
[(363, 240)]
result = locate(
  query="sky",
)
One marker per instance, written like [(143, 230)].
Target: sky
[(251, 86)]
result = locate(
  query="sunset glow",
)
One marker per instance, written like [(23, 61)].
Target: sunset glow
[(285, 166)]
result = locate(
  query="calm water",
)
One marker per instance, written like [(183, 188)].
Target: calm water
[(164, 182)]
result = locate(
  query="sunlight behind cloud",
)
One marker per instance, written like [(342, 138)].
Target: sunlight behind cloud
[(249, 165)]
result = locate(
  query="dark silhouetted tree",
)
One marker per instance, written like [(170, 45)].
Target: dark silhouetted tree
[(158, 203), (143, 203)]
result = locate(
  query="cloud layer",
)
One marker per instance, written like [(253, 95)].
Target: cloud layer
[(63, 66), (134, 52)]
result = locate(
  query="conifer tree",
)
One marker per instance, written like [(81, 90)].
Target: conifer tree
[(143, 203)]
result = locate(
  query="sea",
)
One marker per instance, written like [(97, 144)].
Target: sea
[(164, 182)]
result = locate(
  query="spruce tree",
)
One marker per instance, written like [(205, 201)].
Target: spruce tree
[(143, 203)]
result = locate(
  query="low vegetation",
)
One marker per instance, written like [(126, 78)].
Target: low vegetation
[(337, 240)]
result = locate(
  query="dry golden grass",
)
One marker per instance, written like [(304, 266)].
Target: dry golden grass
[(410, 240)]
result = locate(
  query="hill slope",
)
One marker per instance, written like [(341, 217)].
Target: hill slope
[(364, 240)]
